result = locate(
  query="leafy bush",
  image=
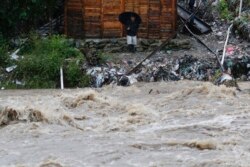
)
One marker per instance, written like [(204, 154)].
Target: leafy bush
[(241, 26), (74, 75), (41, 62), (224, 11)]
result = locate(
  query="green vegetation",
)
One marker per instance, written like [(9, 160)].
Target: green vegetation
[(74, 75), (102, 57), (224, 10), (20, 16), (41, 62), (216, 76), (4, 58), (233, 6)]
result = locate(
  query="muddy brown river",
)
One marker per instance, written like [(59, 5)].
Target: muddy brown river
[(175, 124)]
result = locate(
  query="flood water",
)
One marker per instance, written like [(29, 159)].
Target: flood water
[(186, 124)]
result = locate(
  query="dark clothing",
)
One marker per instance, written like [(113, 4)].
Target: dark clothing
[(191, 5), (132, 28), (131, 48)]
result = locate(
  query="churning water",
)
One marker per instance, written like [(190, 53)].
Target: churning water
[(186, 123)]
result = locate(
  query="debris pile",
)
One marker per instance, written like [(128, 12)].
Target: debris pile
[(167, 69), (237, 61), (158, 69)]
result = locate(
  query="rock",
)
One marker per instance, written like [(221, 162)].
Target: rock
[(116, 49), (140, 49), (178, 44), (124, 81), (215, 3), (100, 45), (219, 36), (145, 42)]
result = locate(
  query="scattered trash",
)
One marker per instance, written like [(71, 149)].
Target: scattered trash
[(229, 51), (224, 77), (152, 70), (11, 68), (17, 82), (238, 66), (14, 55)]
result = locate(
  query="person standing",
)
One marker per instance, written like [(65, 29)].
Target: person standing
[(132, 28)]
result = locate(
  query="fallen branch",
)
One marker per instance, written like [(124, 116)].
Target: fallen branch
[(201, 42)]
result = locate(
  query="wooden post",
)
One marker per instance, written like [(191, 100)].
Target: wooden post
[(240, 8), (61, 78), (225, 45)]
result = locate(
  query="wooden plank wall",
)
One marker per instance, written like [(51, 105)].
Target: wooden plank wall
[(110, 12), (99, 18), (168, 18), (92, 18), (74, 18)]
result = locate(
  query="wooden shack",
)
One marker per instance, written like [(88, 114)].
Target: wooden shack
[(99, 18)]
